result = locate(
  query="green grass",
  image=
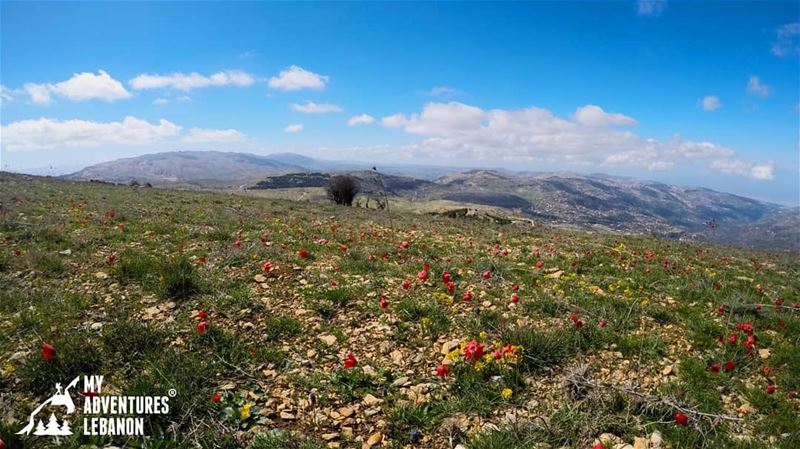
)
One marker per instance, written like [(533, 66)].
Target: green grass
[(138, 325)]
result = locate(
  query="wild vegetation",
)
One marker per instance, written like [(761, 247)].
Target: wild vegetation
[(296, 325)]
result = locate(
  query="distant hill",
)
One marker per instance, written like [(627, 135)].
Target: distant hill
[(566, 199), (203, 168), (593, 202)]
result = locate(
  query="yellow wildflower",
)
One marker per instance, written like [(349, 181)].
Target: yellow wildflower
[(482, 335), (7, 369), (244, 412), (507, 393)]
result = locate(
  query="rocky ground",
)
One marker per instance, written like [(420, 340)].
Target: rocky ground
[(291, 325)]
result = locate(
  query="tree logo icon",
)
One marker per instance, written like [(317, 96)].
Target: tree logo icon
[(53, 427)]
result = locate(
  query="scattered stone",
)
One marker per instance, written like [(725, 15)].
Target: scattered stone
[(374, 439), (328, 339), (370, 400)]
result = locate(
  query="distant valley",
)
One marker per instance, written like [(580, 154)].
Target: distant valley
[(560, 199)]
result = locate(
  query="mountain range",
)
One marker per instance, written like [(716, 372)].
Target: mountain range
[(563, 199)]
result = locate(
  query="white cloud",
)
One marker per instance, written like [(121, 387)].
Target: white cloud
[(184, 98), (363, 119), (591, 115), (39, 93), (394, 121), (710, 103), (755, 87), (194, 80), (739, 167), (199, 135), (82, 86), (456, 131), (787, 40), (45, 133), (294, 128), (297, 78), (160, 101), (314, 108), (650, 7), (443, 91), (6, 95)]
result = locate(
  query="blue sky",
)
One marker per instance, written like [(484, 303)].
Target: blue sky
[(701, 93)]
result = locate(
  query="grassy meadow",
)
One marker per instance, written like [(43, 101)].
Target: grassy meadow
[(285, 324)]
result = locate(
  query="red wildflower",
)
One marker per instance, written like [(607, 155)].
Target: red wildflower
[(648, 254), (48, 352), (445, 277), (508, 349), (442, 370), (202, 327), (467, 296), (721, 310), (717, 286), (681, 419), (202, 314), (405, 284), (603, 322), (714, 368), (350, 361), (383, 302), (539, 264), (766, 370), (2, 444), (514, 298), (729, 366), (121, 226), (264, 237), (747, 327), (111, 214), (111, 259), (17, 253), (770, 388), (267, 267), (598, 445), (451, 286), (732, 339), (751, 341), (579, 324), (497, 354), (404, 244), (303, 253), (574, 318), (515, 287), (486, 274), (216, 398), (473, 351), (203, 259), (344, 248), (422, 275)]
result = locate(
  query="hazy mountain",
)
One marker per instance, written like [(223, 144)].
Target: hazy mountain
[(586, 201), (609, 203), (203, 168)]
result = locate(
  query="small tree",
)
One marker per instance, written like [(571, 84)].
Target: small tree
[(342, 189)]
